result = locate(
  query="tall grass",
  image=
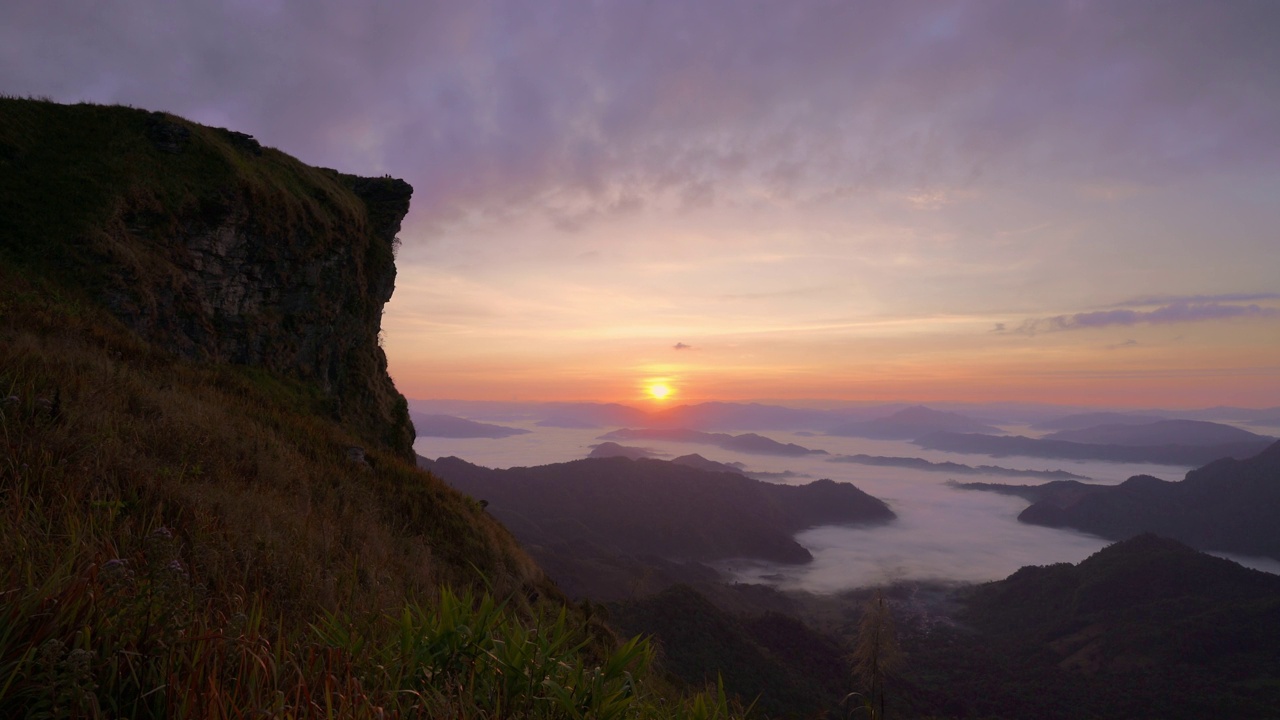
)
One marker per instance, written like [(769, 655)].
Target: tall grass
[(181, 540), (190, 540)]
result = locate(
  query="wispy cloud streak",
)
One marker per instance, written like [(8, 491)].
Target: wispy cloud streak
[(1179, 312)]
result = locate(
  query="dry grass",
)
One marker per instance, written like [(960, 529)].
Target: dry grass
[(181, 540), (194, 540)]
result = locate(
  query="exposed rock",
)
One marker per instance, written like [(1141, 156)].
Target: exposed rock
[(214, 248)]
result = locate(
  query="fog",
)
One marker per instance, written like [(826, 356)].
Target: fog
[(941, 533)]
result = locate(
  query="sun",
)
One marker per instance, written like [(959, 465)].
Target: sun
[(659, 391)]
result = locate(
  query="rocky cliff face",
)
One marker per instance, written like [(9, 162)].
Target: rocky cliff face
[(211, 246)]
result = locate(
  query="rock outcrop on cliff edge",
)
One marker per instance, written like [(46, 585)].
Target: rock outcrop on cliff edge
[(212, 246)]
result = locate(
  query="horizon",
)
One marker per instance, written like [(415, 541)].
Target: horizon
[(1061, 203), (671, 403)]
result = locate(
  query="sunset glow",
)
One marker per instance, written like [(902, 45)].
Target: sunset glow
[(659, 391)]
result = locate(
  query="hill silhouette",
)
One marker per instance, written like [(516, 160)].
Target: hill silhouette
[(655, 507), (1146, 627), (1228, 505)]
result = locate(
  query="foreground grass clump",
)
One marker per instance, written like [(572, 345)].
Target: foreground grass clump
[(133, 641)]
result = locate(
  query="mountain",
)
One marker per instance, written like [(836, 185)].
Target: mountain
[(544, 414), (448, 426), (613, 449), (1080, 421), (787, 668), (1006, 445), (1143, 628), (911, 423), (746, 416), (697, 461), (1146, 627), (747, 442), (951, 467), (1160, 432), (1228, 505), (654, 507)]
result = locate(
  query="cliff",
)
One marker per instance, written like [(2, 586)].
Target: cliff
[(211, 246)]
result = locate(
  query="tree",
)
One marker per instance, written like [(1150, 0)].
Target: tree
[(875, 654)]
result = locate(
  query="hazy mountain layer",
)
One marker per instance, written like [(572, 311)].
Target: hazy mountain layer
[(1006, 445), (748, 442), (911, 423), (952, 467), (448, 426), (1161, 432)]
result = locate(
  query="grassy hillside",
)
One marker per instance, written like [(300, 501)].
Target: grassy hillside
[(183, 536)]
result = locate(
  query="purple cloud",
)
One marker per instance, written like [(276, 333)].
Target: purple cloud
[(681, 346), (572, 109), (1149, 300), (1180, 312)]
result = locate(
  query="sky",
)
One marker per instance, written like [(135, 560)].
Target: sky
[(1071, 202)]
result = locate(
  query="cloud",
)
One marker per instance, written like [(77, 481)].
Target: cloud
[(1179, 312), (681, 346), (1148, 300), (565, 108), (1120, 345)]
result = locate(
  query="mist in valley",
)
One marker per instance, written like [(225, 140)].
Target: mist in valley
[(942, 533)]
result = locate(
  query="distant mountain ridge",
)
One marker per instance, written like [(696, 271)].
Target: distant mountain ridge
[(1080, 421), (1006, 445), (952, 467), (1160, 432), (747, 442), (911, 423), (448, 426)]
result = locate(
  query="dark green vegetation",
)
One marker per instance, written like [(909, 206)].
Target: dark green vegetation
[(1228, 505), (1146, 628), (208, 506), (773, 659)]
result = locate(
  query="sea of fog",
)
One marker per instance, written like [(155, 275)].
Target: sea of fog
[(941, 533)]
